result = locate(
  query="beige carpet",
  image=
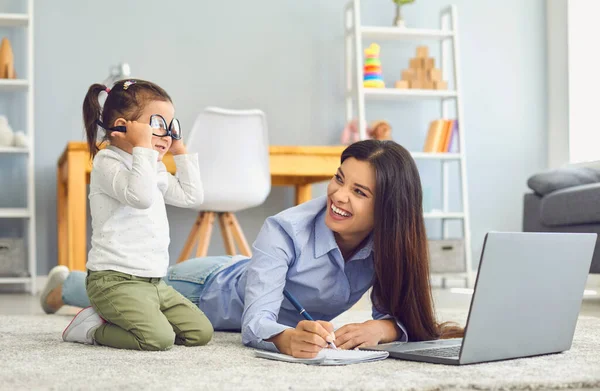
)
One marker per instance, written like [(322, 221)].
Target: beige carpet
[(33, 356)]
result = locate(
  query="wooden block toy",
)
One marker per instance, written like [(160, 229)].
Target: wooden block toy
[(421, 74), (440, 85), (416, 63), (402, 84), (416, 84), (409, 74), (422, 52), (428, 63), (429, 85), (434, 74)]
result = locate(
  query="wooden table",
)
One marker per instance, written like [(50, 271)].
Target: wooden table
[(298, 166)]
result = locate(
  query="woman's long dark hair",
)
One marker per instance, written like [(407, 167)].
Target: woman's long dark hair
[(401, 286), (126, 99)]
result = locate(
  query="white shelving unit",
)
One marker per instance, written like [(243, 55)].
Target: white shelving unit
[(7, 86), (447, 37)]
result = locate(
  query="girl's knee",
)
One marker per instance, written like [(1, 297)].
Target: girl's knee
[(158, 340), (199, 336)]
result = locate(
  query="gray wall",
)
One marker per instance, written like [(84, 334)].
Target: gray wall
[(286, 58)]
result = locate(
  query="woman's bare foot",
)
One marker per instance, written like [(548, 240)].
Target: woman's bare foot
[(51, 296), (54, 299)]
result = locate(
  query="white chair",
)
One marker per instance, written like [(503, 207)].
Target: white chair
[(233, 152)]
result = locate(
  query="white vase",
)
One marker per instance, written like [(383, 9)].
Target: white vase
[(6, 133)]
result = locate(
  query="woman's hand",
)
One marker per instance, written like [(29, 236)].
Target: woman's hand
[(177, 147), (306, 340), (369, 333)]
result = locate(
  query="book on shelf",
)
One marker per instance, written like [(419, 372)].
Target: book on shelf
[(442, 136)]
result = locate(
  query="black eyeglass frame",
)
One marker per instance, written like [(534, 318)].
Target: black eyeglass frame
[(123, 129)]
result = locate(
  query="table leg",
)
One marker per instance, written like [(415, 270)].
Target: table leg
[(303, 193), (61, 218), (76, 210)]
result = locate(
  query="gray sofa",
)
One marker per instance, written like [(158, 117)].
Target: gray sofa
[(565, 200)]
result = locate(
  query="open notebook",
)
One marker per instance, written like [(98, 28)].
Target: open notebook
[(328, 357)]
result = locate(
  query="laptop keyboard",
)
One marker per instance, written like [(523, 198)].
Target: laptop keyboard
[(450, 351)]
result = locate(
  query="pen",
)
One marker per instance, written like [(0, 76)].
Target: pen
[(301, 310)]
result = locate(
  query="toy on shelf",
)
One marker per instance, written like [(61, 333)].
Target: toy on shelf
[(422, 73), (7, 65), (372, 77), (378, 130), (8, 138)]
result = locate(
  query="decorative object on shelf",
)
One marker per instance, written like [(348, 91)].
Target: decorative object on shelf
[(372, 76), (398, 21), (441, 136), (422, 73), (6, 133), (8, 138), (7, 60), (20, 139), (378, 130), (117, 72)]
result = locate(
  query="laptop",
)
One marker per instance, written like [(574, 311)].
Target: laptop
[(526, 301)]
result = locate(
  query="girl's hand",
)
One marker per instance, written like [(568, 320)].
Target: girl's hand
[(177, 147), (306, 340), (369, 333), (137, 134)]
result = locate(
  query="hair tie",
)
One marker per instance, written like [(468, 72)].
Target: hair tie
[(107, 90), (127, 84)]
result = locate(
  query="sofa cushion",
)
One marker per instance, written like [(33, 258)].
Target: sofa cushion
[(575, 205), (562, 178)]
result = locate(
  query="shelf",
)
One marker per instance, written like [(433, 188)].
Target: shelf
[(13, 150), (15, 280), (407, 34), (14, 20), (14, 213), (13, 84), (444, 215), (435, 156), (406, 94)]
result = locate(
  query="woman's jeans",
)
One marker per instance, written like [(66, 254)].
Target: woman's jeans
[(188, 278)]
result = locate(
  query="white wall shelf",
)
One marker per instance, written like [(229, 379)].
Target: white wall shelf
[(447, 36), (13, 84), (397, 33), (404, 94), (14, 20), (14, 213), (444, 215), (15, 280), (14, 150), (435, 156), (8, 86)]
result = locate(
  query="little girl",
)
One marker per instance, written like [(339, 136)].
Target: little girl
[(132, 307)]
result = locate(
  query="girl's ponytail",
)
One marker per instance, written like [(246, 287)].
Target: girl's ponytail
[(91, 114)]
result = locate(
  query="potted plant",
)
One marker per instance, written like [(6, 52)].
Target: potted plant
[(398, 21)]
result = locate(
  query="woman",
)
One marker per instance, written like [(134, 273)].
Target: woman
[(367, 232)]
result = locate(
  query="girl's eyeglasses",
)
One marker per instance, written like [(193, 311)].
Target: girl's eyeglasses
[(158, 125)]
